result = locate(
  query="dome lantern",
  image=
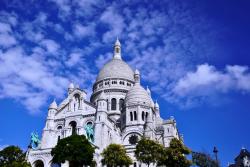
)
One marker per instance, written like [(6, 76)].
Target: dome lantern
[(117, 49), (137, 76)]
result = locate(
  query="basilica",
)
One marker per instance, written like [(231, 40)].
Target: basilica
[(120, 110)]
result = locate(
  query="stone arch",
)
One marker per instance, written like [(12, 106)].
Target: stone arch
[(132, 132), (77, 99), (38, 163), (73, 126), (143, 116), (89, 121), (121, 103)]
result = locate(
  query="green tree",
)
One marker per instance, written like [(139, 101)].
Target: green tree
[(76, 149), (174, 155), (115, 155), (203, 160), (148, 151), (13, 156)]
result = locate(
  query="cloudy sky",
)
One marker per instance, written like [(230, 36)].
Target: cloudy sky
[(194, 55)]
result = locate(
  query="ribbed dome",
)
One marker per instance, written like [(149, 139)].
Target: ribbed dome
[(116, 68), (137, 94)]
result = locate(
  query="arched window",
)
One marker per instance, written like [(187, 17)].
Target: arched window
[(113, 104), (73, 127), (121, 104), (142, 115), (59, 128), (135, 115), (58, 138), (131, 116), (146, 115), (117, 50), (77, 99)]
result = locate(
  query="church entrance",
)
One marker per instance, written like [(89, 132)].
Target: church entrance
[(39, 163)]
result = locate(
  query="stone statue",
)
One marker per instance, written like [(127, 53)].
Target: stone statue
[(34, 140), (90, 132)]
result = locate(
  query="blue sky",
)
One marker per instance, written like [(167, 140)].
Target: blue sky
[(194, 55)]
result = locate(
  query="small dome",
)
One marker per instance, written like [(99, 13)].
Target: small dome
[(71, 86), (137, 94), (116, 68), (53, 105)]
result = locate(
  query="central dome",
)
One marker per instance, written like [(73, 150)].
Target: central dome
[(116, 68)]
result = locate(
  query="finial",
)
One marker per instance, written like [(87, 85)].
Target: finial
[(156, 104), (137, 72), (148, 90), (117, 42), (117, 49)]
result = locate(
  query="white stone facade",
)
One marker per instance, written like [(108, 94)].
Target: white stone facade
[(120, 110)]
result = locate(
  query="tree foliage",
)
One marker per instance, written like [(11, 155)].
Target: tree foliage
[(203, 160), (115, 155), (174, 155), (148, 151), (76, 149), (13, 156)]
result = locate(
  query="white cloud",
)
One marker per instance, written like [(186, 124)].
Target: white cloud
[(240, 75), (82, 31), (8, 17), (64, 7), (26, 78), (74, 58), (5, 28), (115, 22), (102, 59), (207, 80), (50, 45), (7, 40)]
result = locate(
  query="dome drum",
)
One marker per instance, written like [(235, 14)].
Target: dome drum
[(112, 83)]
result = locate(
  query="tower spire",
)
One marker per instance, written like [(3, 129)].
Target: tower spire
[(117, 49)]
